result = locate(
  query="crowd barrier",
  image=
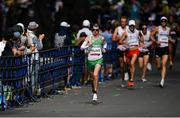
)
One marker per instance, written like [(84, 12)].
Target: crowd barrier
[(25, 79)]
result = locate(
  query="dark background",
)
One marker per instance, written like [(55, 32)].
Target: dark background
[(75, 11)]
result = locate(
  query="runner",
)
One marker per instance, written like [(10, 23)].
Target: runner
[(133, 39), (121, 47), (96, 45), (162, 48), (144, 52)]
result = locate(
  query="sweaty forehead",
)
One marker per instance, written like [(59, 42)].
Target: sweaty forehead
[(123, 20)]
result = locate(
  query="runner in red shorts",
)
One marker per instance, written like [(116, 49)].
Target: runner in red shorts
[(133, 40)]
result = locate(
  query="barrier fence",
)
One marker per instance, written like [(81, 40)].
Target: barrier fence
[(26, 79)]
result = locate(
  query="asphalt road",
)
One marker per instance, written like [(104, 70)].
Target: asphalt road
[(147, 99)]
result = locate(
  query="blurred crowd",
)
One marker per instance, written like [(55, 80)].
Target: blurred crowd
[(51, 14)]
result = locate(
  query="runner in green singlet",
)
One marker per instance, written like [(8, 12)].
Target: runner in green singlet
[(96, 45)]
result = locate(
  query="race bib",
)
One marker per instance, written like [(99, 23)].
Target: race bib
[(96, 51), (164, 40), (133, 42)]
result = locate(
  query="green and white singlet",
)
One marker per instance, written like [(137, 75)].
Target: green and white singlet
[(95, 52)]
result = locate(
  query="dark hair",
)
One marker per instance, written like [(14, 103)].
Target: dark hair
[(18, 29), (123, 17), (96, 25), (83, 34), (107, 26)]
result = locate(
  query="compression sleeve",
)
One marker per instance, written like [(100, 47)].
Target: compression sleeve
[(84, 45)]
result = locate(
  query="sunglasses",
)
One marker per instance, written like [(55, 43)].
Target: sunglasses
[(144, 27), (131, 26), (164, 21), (95, 29)]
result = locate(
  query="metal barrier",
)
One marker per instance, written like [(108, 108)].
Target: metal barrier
[(13, 76), (54, 66), (26, 79)]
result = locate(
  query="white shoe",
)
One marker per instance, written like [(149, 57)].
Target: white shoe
[(149, 67), (162, 83), (126, 76), (144, 80), (122, 85), (94, 97)]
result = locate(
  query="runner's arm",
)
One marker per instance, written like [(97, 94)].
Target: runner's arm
[(170, 38), (153, 33), (86, 44), (123, 37), (115, 37), (79, 41), (104, 45), (141, 40)]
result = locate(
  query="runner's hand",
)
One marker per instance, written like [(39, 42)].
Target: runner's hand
[(103, 50), (158, 42)]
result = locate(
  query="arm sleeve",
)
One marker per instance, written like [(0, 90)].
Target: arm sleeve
[(84, 45), (104, 43)]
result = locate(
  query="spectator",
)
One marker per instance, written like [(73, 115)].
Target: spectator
[(35, 46), (135, 11), (81, 39), (12, 47), (23, 38), (63, 37), (86, 26)]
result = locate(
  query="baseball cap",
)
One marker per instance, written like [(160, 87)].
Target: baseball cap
[(131, 22), (21, 25), (33, 25), (86, 23), (164, 2), (163, 18), (64, 24)]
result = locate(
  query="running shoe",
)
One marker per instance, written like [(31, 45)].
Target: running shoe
[(144, 80), (149, 67), (94, 97), (75, 87), (126, 76), (130, 83), (68, 87), (123, 84), (161, 83)]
